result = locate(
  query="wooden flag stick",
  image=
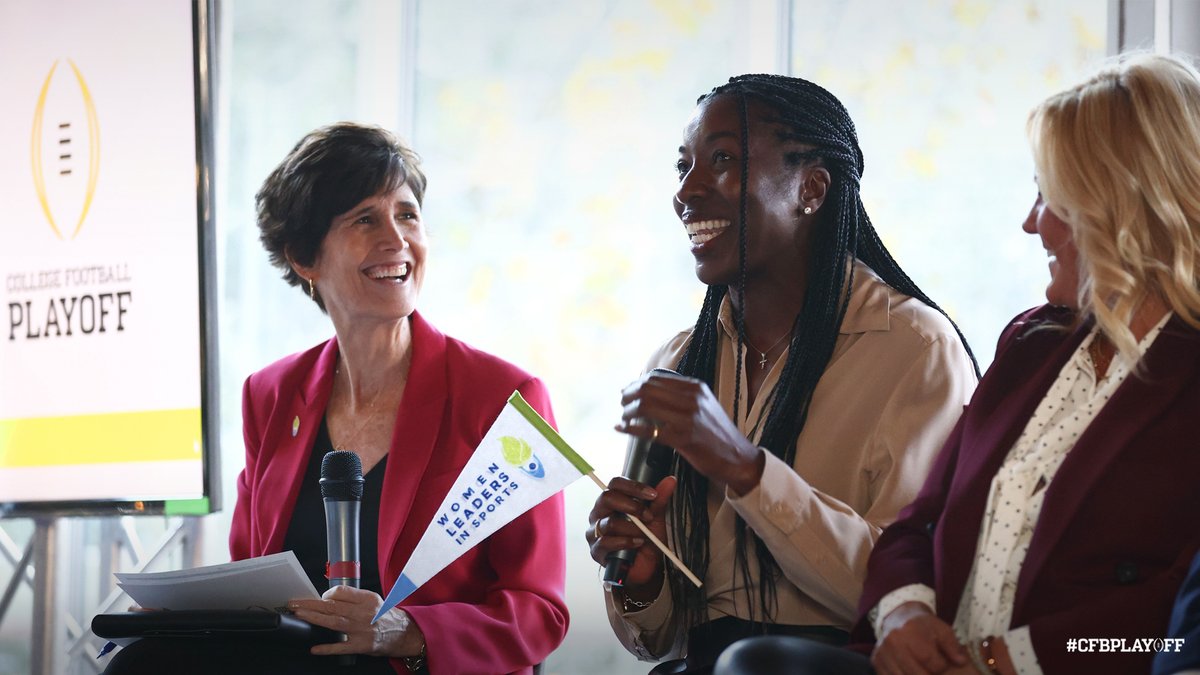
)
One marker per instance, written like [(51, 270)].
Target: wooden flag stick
[(657, 542)]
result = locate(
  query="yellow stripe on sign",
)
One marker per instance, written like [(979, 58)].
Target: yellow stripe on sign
[(100, 439)]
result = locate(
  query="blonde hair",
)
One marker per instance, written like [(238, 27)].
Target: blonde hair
[(1118, 159)]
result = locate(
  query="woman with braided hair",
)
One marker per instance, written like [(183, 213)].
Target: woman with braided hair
[(814, 390)]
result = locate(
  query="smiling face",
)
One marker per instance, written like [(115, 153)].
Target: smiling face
[(371, 263), (1063, 289), (708, 198)]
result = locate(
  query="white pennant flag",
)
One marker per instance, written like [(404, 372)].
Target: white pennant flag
[(520, 463)]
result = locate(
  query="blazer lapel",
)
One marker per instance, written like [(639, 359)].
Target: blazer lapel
[(303, 414), (1171, 362), (998, 415), (418, 423)]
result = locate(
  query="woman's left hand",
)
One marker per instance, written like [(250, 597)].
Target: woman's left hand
[(349, 610), (690, 419)]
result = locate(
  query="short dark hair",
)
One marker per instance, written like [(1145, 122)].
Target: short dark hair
[(329, 171)]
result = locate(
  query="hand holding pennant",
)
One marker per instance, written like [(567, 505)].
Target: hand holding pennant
[(520, 463)]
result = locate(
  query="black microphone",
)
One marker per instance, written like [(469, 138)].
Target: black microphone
[(342, 490), (648, 463)]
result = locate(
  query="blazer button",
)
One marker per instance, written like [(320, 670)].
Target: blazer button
[(929, 527), (1126, 573)]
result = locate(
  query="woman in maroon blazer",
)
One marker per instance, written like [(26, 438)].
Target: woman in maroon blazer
[(1064, 505), (341, 217), (1062, 510)]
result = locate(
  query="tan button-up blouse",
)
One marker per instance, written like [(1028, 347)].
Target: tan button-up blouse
[(892, 391)]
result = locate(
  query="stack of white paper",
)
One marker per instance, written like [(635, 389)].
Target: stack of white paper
[(257, 583)]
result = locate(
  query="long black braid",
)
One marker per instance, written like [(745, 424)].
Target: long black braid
[(814, 119)]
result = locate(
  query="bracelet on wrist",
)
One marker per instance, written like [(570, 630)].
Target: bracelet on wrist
[(415, 663), (629, 605)]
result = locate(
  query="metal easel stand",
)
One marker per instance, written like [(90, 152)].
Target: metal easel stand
[(61, 608), (32, 567)]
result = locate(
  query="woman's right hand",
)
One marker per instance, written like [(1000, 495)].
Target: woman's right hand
[(913, 640), (617, 533)]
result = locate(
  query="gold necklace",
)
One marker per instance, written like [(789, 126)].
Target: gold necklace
[(762, 360), (366, 418)]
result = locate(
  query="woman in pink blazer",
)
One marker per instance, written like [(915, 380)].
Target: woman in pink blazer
[(341, 217)]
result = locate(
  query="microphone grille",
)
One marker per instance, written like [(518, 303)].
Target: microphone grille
[(341, 476)]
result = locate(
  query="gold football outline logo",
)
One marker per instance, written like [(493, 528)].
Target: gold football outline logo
[(39, 178)]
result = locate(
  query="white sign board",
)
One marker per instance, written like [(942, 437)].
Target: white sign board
[(100, 342)]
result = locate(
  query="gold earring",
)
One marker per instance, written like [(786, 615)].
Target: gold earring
[(807, 210), (312, 290)]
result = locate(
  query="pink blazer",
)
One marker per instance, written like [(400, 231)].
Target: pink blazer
[(1118, 525), (497, 609)]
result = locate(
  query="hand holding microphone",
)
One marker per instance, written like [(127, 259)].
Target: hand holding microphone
[(342, 491), (689, 417), (344, 607), (670, 408), (609, 530), (646, 464)]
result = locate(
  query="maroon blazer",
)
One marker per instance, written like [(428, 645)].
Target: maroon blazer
[(497, 609), (1118, 526)]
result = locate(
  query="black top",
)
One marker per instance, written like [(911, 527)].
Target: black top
[(306, 532), (306, 537)]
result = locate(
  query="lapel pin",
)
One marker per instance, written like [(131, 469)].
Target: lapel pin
[(295, 426)]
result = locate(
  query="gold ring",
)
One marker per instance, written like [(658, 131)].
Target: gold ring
[(654, 433), (596, 530)]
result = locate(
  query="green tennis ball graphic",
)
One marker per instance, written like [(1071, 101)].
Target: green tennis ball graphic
[(517, 451)]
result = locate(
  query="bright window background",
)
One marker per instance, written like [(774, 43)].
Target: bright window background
[(940, 94), (549, 132)]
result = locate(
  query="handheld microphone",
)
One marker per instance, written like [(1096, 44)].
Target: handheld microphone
[(342, 490), (648, 463)]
